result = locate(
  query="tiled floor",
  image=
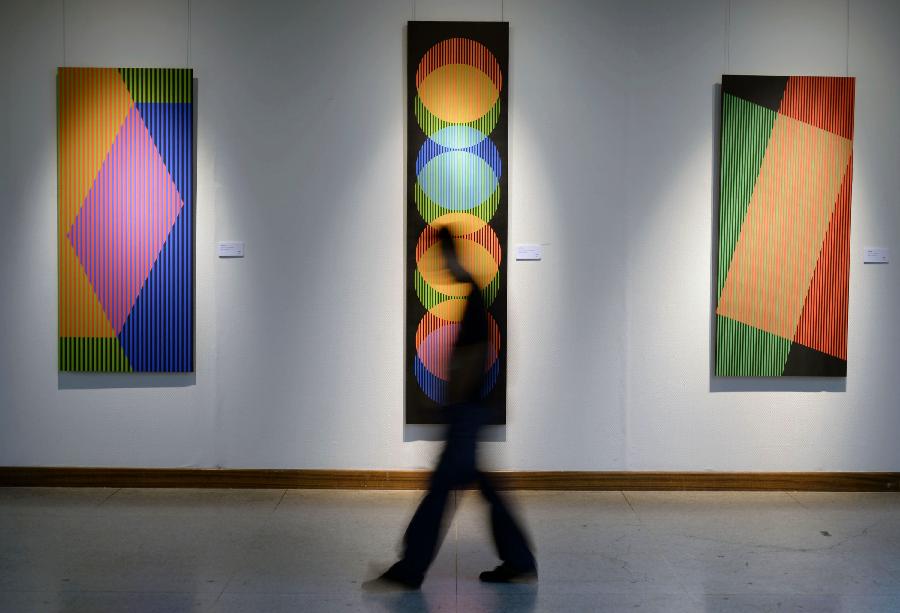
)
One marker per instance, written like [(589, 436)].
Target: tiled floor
[(101, 550)]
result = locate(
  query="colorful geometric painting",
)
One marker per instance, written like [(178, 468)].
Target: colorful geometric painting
[(125, 239), (456, 177), (784, 226)]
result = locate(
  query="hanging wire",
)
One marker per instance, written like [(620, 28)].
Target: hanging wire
[(847, 74), (65, 62), (728, 38), (188, 34)]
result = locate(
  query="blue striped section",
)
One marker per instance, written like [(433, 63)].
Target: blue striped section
[(458, 136), (490, 378), (485, 149), (158, 335), (159, 332), (436, 388), (171, 125)]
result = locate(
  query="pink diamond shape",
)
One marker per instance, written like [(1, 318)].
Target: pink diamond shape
[(125, 219)]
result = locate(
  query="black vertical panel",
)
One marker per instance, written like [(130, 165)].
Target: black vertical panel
[(422, 36), (803, 361)]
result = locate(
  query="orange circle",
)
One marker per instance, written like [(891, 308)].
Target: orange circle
[(459, 80)]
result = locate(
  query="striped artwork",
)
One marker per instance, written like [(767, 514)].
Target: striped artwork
[(125, 237), (784, 226), (456, 178)]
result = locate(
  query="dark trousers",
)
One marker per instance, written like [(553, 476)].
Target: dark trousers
[(456, 468)]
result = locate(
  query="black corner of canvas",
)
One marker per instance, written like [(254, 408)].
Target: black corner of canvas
[(802, 361), (762, 90)]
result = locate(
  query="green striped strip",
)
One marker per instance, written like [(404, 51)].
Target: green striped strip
[(431, 124), (745, 351), (92, 354), (429, 297), (159, 84), (746, 128), (431, 210)]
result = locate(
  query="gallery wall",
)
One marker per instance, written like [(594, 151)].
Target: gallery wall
[(613, 114)]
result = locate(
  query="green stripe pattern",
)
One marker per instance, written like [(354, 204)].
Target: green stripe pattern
[(92, 354), (742, 350), (746, 129), (745, 351), (431, 210), (431, 124), (429, 297), (159, 84)]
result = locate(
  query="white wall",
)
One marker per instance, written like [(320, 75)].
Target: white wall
[(300, 154)]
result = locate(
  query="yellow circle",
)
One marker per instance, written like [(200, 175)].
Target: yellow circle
[(458, 93), (477, 261)]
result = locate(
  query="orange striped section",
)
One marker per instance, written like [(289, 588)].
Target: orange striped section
[(458, 80), (823, 324), (458, 93), (92, 105), (80, 313), (477, 231), (473, 257), (478, 250), (824, 102), (449, 310), (787, 219)]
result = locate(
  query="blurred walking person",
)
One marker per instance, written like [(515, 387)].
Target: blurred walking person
[(458, 465)]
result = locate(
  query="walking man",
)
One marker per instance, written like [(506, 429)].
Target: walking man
[(458, 466)]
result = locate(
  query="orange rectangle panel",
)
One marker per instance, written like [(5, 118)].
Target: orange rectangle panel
[(785, 226)]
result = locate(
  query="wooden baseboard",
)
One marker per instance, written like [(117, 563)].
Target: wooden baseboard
[(24, 476)]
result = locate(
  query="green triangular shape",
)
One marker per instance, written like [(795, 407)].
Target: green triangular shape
[(745, 351)]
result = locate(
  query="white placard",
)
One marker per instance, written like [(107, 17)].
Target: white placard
[(230, 249), (876, 255), (528, 252)]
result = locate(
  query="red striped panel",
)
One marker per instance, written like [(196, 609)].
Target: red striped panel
[(825, 102), (460, 51), (823, 323)]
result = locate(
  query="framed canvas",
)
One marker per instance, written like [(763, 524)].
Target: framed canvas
[(456, 177), (784, 226), (125, 237)]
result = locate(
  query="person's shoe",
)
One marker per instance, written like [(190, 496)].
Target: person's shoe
[(507, 574), (393, 579)]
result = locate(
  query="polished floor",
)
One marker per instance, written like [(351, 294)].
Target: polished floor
[(132, 550)]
